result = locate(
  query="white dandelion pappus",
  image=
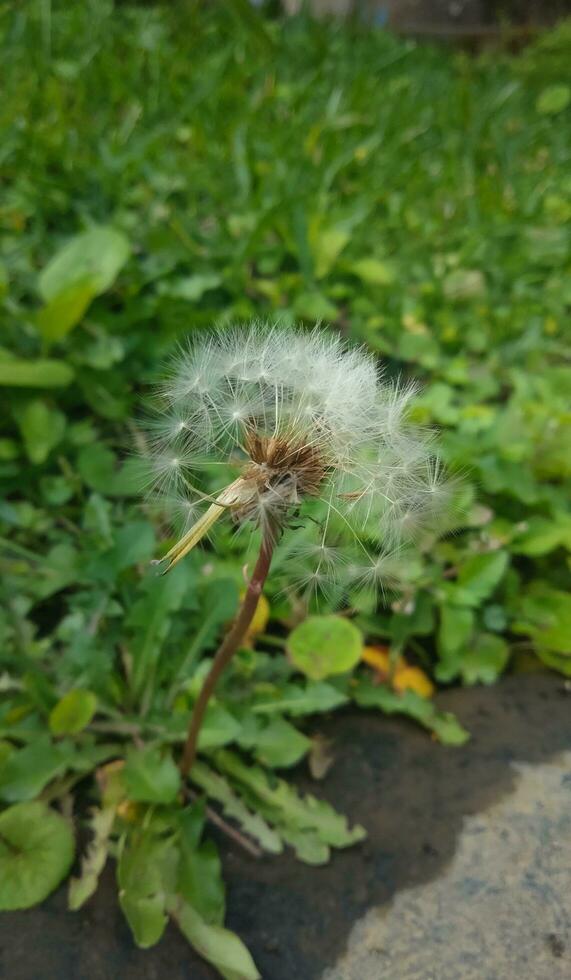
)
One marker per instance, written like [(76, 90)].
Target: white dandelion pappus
[(311, 430)]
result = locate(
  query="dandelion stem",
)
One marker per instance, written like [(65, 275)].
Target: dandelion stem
[(226, 651)]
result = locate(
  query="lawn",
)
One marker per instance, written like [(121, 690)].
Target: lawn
[(169, 167)]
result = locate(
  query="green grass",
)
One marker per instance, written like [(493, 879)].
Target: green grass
[(416, 199)]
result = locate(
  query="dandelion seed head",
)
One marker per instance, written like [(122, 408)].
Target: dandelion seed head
[(304, 420)]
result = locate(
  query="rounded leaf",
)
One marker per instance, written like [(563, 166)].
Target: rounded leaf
[(553, 99), (92, 258), (73, 712), (325, 645), (36, 852)]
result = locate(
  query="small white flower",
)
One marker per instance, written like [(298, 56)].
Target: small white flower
[(316, 442)]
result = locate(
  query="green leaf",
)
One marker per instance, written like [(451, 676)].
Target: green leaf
[(279, 744), (97, 467), (146, 873), (280, 803), (35, 374), (314, 306), (544, 613), (191, 288), (92, 258), (36, 852), (73, 712), (298, 700), (307, 845), (326, 245), (219, 727), (217, 945), (150, 776), (485, 659), (444, 725), (200, 880), (324, 645), (553, 100), (27, 771), (82, 888), (134, 544), (375, 271), (42, 428), (479, 576), (217, 788), (540, 535), (64, 311)]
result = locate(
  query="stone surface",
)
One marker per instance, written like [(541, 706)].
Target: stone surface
[(501, 909)]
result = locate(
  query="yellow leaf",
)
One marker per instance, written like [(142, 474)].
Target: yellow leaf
[(400, 675), (379, 657), (413, 679)]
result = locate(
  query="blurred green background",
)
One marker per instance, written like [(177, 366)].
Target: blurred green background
[(166, 167)]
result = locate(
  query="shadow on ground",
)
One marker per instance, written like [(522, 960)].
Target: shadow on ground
[(411, 794)]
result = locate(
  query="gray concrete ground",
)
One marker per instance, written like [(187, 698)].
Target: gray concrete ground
[(500, 910)]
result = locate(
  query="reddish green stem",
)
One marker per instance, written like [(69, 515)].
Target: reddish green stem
[(226, 651)]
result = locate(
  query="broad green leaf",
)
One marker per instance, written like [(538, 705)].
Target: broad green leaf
[(485, 659), (217, 945), (553, 99), (298, 700), (444, 725), (540, 535), (145, 915), (279, 744), (544, 614), (27, 771), (64, 311), (150, 776), (134, 543), (45, 373), (92, 864), (73, 712), (479, 576), (42, 428), (146, 874), (200, 881), (218, 789), (325, 645), (92, 258), (97, 465), (219, 727), (36, 852)]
